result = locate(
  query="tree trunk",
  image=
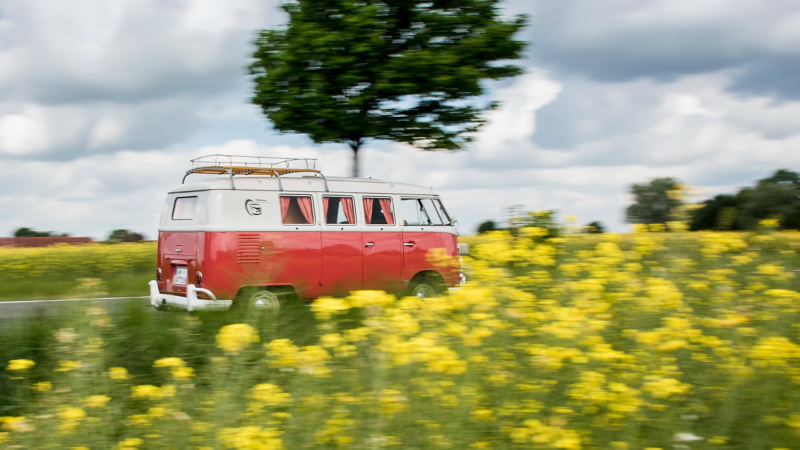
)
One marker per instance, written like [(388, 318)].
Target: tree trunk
[(355, 146)]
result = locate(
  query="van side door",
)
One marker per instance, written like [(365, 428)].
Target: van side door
[(341, 245), (428, 239), (381, 244)]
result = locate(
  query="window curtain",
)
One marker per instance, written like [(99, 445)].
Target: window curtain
[(284, 207), (306, 209), (347, 204), (368, 210), (386, 206), (325, 209)]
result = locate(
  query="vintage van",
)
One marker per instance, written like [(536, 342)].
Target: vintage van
[(271, 228)]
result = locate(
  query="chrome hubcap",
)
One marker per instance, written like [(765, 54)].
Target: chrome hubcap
[(423, 291), (264, 300)]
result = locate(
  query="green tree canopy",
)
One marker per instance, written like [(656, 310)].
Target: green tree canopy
[(654, 202), (775, 197), (487, 226), (345, 71), (595, 228), (30, 232)]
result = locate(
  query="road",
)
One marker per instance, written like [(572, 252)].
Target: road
[(32, 308)]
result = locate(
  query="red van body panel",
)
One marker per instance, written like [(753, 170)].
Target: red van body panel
[(313, 263), (431, 251), (342, 257), (383, 260)]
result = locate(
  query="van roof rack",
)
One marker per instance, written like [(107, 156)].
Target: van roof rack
[(253, 165)]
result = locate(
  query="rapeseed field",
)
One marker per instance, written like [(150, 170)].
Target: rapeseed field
[(649, 340), (67, 271)]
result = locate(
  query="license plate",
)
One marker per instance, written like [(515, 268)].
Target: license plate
[(181, 273)]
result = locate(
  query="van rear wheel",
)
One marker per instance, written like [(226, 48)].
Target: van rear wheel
[(257, 299), (263, 301)]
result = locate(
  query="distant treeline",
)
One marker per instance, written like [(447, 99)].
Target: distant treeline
[(776, 197)]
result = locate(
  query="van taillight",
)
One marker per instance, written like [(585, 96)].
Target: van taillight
[(158, 274), (199, 279)]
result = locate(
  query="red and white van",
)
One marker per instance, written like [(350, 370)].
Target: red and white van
[(268, 228)]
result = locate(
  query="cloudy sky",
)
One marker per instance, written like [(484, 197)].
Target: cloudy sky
[(102, 104)]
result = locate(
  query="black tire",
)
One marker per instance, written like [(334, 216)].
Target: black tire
[(425, 286), (260, 299)]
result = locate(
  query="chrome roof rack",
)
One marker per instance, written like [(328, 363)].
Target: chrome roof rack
[(253, 165)]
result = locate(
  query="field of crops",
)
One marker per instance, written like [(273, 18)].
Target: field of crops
[(70, 271), (650, 340)]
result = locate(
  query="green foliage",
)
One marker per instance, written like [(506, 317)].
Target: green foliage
[(487, 226), (546, 220), (30, 232), (125, 236), (595, 228), (344, 71), (655, 202), (776, 197)]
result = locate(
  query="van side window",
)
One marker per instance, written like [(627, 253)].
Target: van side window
[(412, 211), (378, 211), (339, 210), (184, 208), (423, 211), (297, 210)]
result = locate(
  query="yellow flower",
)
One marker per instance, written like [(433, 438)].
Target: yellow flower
[(18, 424), (169, 362), (182, 373), (234, 338), (152, 392), (70, 418), (118, 373), (130, 442), (43, 386), (66, 366), (270, 394), (20, 364), (96, 401)]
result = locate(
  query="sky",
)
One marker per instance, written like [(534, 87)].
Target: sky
[(103, 104)]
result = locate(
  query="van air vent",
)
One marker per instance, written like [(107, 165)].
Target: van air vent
[(248, 250)]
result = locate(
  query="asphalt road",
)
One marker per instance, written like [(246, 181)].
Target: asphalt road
[(21, 309)]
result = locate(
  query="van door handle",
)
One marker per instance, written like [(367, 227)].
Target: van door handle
[(408, 244), (369, 244)]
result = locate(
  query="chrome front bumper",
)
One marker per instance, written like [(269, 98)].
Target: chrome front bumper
[(190, 302)]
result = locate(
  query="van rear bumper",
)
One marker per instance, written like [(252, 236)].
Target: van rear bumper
[(190, 302)]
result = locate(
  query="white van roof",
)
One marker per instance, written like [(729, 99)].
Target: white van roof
[(304, 183)]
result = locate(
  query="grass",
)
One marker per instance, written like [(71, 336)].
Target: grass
[(639, 341), (76, 271)]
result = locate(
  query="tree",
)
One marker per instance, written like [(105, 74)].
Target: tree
[(776, 197), (30, 232), (595, 228), (654, 202), (125, 236), (346, 71), (487, 226), (718, 213)]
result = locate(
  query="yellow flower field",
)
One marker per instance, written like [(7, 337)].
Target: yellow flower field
[(649, 340), (68, 271)]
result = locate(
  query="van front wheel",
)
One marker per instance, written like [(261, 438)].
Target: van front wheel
[(425, 287)]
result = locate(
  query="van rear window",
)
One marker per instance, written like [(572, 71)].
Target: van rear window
[(297, 210), (184, 208)]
